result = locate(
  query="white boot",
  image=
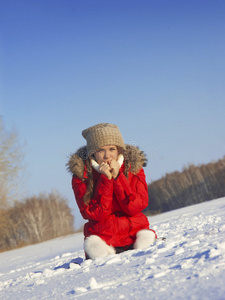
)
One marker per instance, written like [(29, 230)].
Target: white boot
[(95, 247), (144, 239)]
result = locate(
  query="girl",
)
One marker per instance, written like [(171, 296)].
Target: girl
[(111, 192)]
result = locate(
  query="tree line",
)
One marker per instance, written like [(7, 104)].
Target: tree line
[(193, 185), (34, 220)]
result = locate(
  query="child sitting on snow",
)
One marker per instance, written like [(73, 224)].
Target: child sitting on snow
[(111, 192)]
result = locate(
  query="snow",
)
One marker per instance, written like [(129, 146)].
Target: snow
[(190, 264)]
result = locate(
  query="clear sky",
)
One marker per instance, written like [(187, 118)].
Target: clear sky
[(154, 68)]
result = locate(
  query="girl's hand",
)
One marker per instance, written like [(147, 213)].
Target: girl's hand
[(105, 169), (115, 167)]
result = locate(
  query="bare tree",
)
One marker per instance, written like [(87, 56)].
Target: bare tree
[(11, 158)]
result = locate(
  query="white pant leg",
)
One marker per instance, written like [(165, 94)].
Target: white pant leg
[(95, 247), (144, 239)]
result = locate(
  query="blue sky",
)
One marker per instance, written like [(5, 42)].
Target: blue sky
[(154, 68)]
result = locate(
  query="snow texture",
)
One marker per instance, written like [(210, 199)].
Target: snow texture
[(190, 264)]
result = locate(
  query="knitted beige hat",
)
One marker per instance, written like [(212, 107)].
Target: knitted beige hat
[(102, 134)]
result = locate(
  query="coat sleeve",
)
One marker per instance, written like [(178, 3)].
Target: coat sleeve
[(132, 196), (101, 202)]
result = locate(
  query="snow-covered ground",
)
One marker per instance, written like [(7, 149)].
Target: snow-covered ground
[(190, 264)]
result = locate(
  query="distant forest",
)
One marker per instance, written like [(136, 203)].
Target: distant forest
[(34, 220), (193, 185)]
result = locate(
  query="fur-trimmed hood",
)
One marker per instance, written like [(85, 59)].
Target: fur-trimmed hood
[(132, 155)]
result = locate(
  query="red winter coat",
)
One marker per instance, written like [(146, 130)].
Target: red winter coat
[(115, 210)]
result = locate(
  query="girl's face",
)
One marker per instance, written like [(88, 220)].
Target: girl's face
[(106, 154)]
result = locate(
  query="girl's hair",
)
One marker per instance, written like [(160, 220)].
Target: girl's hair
[(90, 187)]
